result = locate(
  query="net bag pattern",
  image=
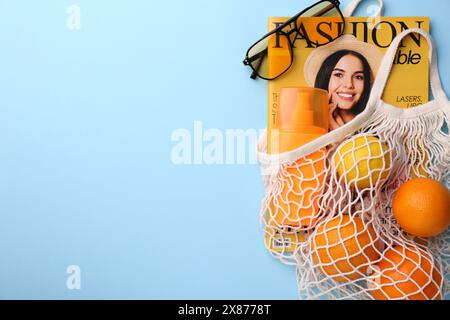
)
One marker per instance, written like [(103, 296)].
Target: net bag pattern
[(327, 209)]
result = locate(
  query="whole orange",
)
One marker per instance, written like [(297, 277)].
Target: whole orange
[(406, 273), (422, 207), (343, 247)]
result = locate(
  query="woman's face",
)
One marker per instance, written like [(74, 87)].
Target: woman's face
[(347, 82)]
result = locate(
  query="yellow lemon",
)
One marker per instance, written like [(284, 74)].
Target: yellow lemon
[(362, 161)]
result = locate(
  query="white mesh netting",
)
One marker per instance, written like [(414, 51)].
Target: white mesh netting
[(329, 213)]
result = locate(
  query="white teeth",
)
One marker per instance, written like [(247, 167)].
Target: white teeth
[(345, 95)]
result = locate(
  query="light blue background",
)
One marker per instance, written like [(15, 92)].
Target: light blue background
[(86, 176)]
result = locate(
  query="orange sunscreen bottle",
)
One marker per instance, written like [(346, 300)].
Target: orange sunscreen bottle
[(302, 118)]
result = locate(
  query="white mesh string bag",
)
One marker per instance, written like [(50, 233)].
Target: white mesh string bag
[(327, 207)]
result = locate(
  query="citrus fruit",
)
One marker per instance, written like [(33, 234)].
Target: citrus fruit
[(362, 161), (405, 273), (343, 247), (298, 192), (421, 207)]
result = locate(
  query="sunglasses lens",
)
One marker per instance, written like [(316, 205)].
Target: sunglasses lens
[(271, 56), (334, 19)]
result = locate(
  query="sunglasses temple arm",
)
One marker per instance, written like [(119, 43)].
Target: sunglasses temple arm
[(256, 68)]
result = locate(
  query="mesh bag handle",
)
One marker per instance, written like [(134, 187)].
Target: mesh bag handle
[(440, 97), (386, 67), (266, 159), (328, 205)]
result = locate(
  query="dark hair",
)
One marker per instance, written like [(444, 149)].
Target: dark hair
[(325, 71)]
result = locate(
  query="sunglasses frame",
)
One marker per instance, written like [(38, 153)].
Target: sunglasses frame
[(279, 30)]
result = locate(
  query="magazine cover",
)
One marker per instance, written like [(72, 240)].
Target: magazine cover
[(368, 40)]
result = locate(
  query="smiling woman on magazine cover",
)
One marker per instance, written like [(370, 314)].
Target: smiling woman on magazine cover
[(345, 68)]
